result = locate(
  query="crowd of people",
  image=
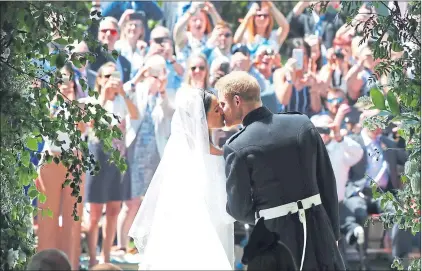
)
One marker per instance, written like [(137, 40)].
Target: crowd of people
[(322, 71)]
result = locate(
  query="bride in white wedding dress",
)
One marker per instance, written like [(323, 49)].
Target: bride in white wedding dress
[(182, 223)]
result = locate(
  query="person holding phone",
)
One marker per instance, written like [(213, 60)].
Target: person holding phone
[(106, 188), (256, 28), (191, 31), (296, 85), (219, 43), (131, 43)]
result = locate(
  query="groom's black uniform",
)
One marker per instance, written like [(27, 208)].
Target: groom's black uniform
[(278, 164)]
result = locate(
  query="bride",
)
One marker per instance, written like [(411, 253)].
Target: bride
[(182, 222)]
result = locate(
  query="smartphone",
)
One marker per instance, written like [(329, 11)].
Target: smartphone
[(139, 15), (116, 74), (298, 56)]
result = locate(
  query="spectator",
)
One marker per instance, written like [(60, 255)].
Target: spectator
[(296, 89), (379, 164), (116, 8), (105, 188), (344, 153), (334, 100), (220, 42), (49, 260), (131, 44), (256, 28), (50, 181), (108, 34), (162, 44), (333, 74), (219, 68), (191, 30), (324, 25), (358, 78), (145, 140), (241, 61), (197, 73), (264, 63)]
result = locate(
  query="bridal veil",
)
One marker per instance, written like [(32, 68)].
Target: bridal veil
[(182, 223)]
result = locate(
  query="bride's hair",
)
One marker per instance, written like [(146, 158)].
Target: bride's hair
[(207, 99)]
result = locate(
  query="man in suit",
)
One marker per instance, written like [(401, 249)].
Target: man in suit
[(277, 168), (378, 164)]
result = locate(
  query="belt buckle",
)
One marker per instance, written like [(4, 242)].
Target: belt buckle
[(301, 204)]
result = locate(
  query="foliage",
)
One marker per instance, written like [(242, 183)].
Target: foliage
[(394, 35), (27, 53)]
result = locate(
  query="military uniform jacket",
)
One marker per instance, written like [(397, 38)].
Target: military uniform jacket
[(278, 159)]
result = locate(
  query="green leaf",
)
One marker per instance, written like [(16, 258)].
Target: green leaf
[(33, 193), (396, 46), (32, 143), (377, 98), (42, 198), (25, 158), (61, 41), (392, 103)]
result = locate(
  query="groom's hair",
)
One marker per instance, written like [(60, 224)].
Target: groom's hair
[(239, 83)]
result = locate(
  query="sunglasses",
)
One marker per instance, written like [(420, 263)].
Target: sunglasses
[(107, 76), (262, 15), (113, 32), (201, 68), (227, 35), (160, 40), (333, 100)]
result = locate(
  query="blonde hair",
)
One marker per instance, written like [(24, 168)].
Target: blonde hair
[(125, 23), (188, 77), (100, 74), (239, 83)]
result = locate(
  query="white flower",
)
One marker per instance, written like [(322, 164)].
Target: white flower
[(12, 257)]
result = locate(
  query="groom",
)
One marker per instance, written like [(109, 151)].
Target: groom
[(278, 169)]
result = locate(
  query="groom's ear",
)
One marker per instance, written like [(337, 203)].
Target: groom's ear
[(236, 99)]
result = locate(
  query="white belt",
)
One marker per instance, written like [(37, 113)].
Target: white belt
[(291, 208)]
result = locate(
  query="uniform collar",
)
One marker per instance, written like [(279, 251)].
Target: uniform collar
[(256, 114)]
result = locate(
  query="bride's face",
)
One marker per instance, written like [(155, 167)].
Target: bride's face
[(215, 114)]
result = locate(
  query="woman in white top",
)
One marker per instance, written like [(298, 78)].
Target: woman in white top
[(256, 28), (49, 182), (131, 44), (106, 188), (191, 30)]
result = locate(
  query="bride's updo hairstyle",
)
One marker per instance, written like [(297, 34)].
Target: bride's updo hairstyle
[(207, 99)]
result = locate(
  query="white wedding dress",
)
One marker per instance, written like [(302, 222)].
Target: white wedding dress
[(182, 223)]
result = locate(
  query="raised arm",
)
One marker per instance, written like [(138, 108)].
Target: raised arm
[(240, 32), (238, 186), (283, 25)]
